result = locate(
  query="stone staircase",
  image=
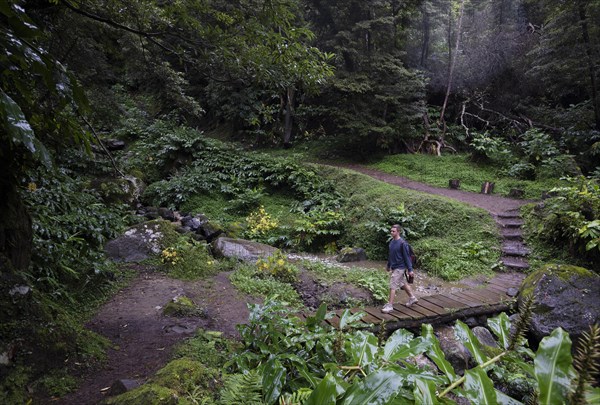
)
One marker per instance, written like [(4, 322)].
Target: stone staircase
[(514, 251)]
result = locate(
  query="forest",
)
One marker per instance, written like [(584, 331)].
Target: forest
[(234, 110)]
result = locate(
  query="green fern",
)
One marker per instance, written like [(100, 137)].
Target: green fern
[(242, 389), (297, 398)]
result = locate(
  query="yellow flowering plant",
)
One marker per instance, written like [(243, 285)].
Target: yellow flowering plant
[(260, 223), (170, 256), (278, 267)]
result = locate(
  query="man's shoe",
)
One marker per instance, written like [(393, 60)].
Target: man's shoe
[(387, 308), (412, 301)]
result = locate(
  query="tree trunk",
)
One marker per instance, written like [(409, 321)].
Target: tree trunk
[(453, 62), (426, 34), (590, 61), (16, 234), (288, 119)]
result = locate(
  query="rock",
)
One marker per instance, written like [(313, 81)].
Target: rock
[(455, 352), (114, 144), (136, 244), (119, 190), (422, 362), (351, 255), (121, 386), (182, 306), (485, 336), (21, 290), (564, 296), (167, 214), (241, 249)]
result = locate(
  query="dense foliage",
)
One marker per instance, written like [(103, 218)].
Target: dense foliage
[(512, 84), (283, 359)]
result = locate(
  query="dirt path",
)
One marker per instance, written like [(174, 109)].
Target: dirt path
[(494, 204), (143, 339)]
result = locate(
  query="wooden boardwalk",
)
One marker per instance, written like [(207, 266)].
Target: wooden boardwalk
[(497, 295)]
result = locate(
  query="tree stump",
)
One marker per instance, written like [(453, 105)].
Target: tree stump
[(516, 193), (454, 184), (487, 188)]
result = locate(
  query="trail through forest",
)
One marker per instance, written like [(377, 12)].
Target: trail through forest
[(142, 338)]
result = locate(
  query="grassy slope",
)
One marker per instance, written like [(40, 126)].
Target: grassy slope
[(459, 240), (437, 170)]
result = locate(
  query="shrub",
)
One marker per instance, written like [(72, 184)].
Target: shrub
[(278, 267), (188, 260), (569, 220)]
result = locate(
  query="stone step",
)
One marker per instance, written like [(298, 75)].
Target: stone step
[(515, 248), (514, 263), (509, 214), (509, 222), (511, 233)]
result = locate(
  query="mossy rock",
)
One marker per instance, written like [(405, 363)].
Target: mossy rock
[(349, 254), (186, 375), (564, 296), (182, 306), (148, 394)]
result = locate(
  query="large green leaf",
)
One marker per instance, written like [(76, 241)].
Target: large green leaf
[(435, 352), (478, 387), (397, 340), (325, 392), (273, 380), (362, 348), (424, 392), (553, 367), (500, 325), (19, 130), (504, 399), (466, 336), (348, 318), (376, 388)]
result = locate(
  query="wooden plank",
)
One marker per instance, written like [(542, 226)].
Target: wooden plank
[(423, 310), (483, 296), (376, 312), (366, 317), (447, 302), (406, 312), (463, 299), (494, 295), (334, 321), (439, 310), (475, 297), (498, 283), (495, 289), (490, 295)]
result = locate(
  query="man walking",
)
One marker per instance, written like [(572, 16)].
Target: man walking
[(398, 263)]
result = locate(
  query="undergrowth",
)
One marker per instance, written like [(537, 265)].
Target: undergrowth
[(438, 170), (453, 240)]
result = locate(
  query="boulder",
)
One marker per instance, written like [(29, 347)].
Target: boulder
[(136, 244), (351, 255), (564, 296), (484, 336), (241, 249), (455, 352)]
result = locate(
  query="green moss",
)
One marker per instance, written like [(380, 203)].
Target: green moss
[(182, 306), (208, 347), (185, 375), (148, 394), (563, 271)]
